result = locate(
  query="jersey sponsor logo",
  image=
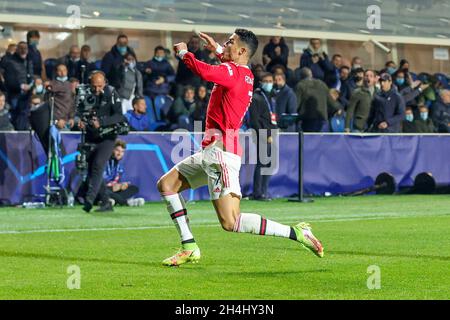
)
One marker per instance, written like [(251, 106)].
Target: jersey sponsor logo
[(249, 80)]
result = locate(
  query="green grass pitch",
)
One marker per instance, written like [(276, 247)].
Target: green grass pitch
[(119, 254)]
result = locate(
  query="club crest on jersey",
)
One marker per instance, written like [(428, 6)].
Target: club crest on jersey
[(249, 80)]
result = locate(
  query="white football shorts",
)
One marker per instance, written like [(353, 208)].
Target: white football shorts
[(214, 167)]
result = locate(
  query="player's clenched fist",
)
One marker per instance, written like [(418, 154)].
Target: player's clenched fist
[(180, 47)]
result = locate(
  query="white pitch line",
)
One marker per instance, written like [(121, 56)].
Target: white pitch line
[(201, 225)]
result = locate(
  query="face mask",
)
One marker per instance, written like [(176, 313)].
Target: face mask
[(34, 43), (391, 70), (424, 115), (267, 87), (409, 117), (159, 59), (39, 88), (132, 65), (62, 79), (400, 81), (75, 60), (122, 50), (356, 66)]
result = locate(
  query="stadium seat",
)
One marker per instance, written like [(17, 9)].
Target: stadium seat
[(98, 65), (162, 106), (153, 122), (50, 66)]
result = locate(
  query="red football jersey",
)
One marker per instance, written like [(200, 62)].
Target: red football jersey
[(229, 101)]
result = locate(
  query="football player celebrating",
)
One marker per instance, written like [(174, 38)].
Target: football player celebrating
[(218, 163)]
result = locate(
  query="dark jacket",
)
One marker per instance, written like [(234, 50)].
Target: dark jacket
[(389, 107), (314, 100), (16, 71), (181, 108), (34, 56), (5, 120), (109, 112), (74, 69), (424, 126), (159, 69), (409, 127), (286, 102), (318, 69), (282, 59), (345, 93), (441, 116), (358, 109), (184, 75), (260, 111), (111, 63), (64, 100), (129, 80)]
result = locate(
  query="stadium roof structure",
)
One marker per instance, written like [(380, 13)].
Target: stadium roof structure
[(401, 21)]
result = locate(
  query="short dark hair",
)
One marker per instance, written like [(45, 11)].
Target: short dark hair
[(250, 40), (337, 55), (158, 48), (32, 33), (120, 143), (188, 88), (345, 67), (120, 36), (265, 75), (136, 99)]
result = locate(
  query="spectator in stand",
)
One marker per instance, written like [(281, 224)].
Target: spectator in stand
[(276, 52), (314, 103), (38, 87), (345, 91), (74, 83), (285, 101), (332, 75), (34, 55), (17, 72), (12, 47), (356, 64), (113, 60), (137, 118), (408, 123), (201, 105), (360, 104), (424, 124), (180, 113), (262, 117), (158, 74), (357, 80), (72, 61), (390, 67), (441, 112), (61, 88), (129, 83), (85, 60), (315, 59), (289, 74), (5, 117), (185, 77), (121, 193), (258, 71), (388, 109)]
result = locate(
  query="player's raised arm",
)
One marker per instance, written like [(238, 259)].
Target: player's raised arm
[(212, 45), (224, 74)]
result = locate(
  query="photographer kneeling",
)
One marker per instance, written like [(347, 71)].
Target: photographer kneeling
[(121, 192), (97, 122)]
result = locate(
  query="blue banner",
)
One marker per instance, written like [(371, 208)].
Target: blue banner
[(332, 163)]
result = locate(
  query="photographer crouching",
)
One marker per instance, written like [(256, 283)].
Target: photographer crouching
[(100, 119)]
